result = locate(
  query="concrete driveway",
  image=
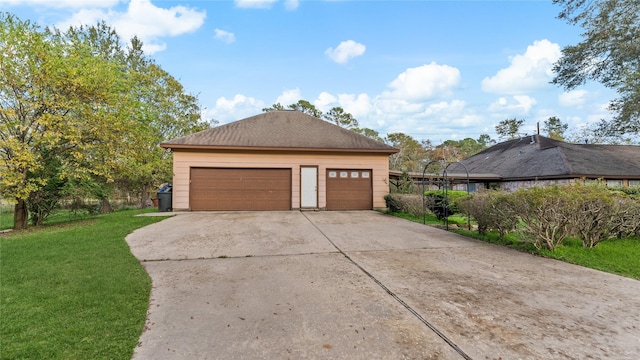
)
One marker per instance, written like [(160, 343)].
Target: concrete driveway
[(363, 285)]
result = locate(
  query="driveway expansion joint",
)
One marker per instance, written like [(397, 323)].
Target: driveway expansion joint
[(394, 295), (224, 257)]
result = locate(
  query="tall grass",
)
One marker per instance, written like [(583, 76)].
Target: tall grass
[(72, 290)]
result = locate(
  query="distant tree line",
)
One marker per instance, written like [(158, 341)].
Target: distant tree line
[(414, 154)]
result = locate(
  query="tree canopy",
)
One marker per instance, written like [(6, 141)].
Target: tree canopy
[(555, 128), (509, 129), (335, 115), (78, 112), (609, 53)]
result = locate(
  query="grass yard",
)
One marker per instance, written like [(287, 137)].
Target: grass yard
[(6, 217), (616, 256), (73, 290)]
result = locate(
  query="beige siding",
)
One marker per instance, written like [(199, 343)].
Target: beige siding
[(377, 163)]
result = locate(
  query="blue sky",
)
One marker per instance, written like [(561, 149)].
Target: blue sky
[(435, 70)]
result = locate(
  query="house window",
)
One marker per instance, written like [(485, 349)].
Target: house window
[(634, 182), (355, 174), (344, 174), (614, 183), (333, 174)]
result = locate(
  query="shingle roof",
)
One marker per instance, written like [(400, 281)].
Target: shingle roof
[(280, 130), (541, 157)]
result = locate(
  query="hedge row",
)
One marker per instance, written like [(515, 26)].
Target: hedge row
[(546, 216)]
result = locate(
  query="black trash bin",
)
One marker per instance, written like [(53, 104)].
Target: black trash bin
[(165, 198)]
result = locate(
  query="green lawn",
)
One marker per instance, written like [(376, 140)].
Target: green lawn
[(72, 290), (617, 256), (6, 217)]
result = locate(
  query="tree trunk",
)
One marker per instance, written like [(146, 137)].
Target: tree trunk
[(106, 206), (20, 215), (144, 196)]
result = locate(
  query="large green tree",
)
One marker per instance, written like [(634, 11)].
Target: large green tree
[(80, 113), (56, 100), (411, 156), (555, 128), (457, 150), (509, 129), (165, 111), (338, 116), (609, 53)]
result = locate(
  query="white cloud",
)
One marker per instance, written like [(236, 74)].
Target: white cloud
[(357, 106), (325, 101), (424, 82), (144, 20), (255, 4), (345, 51), (289, 97), (73, 4), (225, 36), (573, 98), (529, 71), (239, 107), (397, 106), (444, 108), (454, 113), (291, 4), (89, 16), (517, 105), (525, 102)]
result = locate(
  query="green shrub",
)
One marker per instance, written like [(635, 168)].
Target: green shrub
[(545, 214), (491, 210), (548, 215), (406, 203), (443, 206), (593, 209), (627, 220), (393, 202)]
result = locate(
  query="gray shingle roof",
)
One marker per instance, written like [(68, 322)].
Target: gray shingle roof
[(280, 130), (541, 157)]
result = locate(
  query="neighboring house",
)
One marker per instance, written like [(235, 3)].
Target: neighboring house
[(538, 160), (279, 160)]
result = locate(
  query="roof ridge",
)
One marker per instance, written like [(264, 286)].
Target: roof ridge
[(280, 130), (565, 160)]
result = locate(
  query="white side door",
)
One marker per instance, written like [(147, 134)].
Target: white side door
[(309, 187)]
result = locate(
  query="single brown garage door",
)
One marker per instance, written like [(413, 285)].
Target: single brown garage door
[(349, 189), (240, 189)]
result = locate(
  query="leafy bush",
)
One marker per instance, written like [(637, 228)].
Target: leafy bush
[(443, 207), (491, 210), (548, 215), (627, 220), (545, 215), (406, 203), (393, 202), (593, 211)]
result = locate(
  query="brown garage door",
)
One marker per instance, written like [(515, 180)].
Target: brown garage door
[(240, 189), (349, 189)]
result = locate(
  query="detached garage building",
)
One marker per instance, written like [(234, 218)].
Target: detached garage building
[(279, 160)]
